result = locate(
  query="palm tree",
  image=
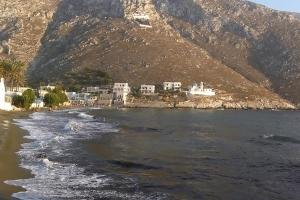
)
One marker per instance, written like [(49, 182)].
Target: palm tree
[(13, 71)]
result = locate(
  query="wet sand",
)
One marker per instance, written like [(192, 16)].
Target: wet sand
[(11, 138)]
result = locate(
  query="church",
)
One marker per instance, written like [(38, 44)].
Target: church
[(3, 104)]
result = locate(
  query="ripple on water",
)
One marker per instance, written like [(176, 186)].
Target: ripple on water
[(51, 136)]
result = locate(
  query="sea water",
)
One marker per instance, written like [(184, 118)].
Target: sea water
[(161, 154)]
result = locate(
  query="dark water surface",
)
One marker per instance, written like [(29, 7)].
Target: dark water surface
[(161, 154)]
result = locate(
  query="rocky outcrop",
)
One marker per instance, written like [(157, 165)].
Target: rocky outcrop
[(22, 25), (219, 103), (235, 46), (224, 101)]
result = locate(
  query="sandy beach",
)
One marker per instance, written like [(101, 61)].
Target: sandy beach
[(11, 138)]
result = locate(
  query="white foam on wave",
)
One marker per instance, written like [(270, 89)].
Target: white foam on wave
[(85, 115), (52, 136), (96, 108), (72, 126), (268, 136), (47, 162)]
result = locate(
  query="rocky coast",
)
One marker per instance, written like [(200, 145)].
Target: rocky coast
[(215, 103)]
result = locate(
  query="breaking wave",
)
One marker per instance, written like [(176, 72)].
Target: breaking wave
[(85, 116), (49, 157)]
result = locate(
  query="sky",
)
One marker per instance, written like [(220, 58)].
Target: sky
[(285, 5)]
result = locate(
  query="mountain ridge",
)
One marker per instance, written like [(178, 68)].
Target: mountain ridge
[(235, 46)]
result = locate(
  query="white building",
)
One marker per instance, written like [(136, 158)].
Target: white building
[(121, 91), (38, 103), (175, 86), (104, 99), (45, 90), (82, 98), (147, 89), (3, 104), (100, 90), (48, 87), (142, 19), (16, 91), (196, 90)]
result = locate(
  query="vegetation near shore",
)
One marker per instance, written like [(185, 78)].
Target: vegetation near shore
[(13, 71), (25, 100), (55, 97)]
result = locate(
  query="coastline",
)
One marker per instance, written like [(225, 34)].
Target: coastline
[(11, 138), (213, 106)]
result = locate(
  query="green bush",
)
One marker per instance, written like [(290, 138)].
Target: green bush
[(29, 98), (62, 97), (51, 100), (55, 97), (24, 101), (135, 92), (18, 101)]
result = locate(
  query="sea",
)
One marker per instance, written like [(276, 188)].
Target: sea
[(158, 154)]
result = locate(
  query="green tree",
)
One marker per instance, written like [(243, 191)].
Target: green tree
[(18, 101), (159, 88), (29, 98), (51, 100), (55, 97), (13, 71), (135, 92), (59, 91)]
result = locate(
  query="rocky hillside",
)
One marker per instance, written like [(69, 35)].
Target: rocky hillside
[(238, 47), (297, 15), (22, 25)]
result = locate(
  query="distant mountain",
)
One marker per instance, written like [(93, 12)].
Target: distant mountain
[(236, 46)]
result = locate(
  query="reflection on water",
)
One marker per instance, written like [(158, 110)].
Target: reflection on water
[(161, 154)]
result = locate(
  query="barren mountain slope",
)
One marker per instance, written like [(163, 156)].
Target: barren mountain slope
[(244, 36), (235, 46), (22, 25)]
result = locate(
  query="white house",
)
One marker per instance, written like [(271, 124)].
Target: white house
[(106, 89), (147, 89), (3, 104), (142, 19), (175, 86), (45, 90), (16, 91), (38, 103), (82, 98), (196, 90), (121, 91), (48, 87)]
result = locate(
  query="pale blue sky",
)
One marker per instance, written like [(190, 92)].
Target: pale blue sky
[(286, 5)]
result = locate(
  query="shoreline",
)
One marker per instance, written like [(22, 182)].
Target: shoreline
[(11, 139), (197, 107)]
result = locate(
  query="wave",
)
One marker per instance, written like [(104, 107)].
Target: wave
[(279, 138), (72, 126), (85, 115), (51, 156), (268, 136)]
